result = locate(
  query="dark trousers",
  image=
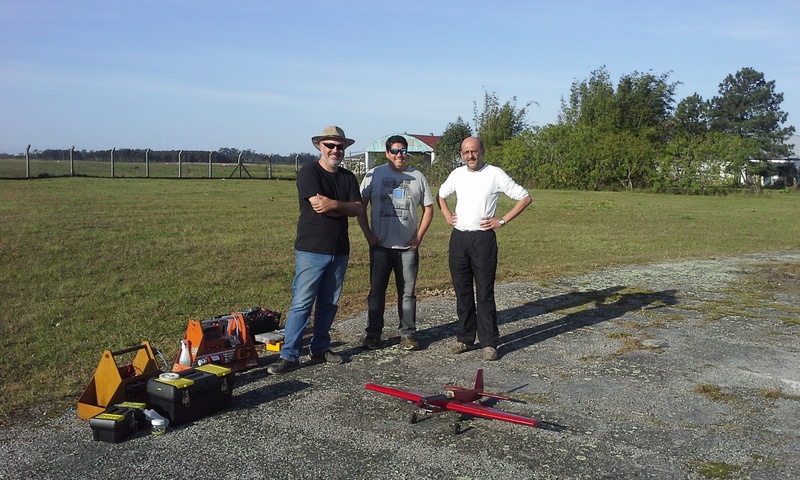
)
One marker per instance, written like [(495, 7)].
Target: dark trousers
[(473, 258), (404, 264)]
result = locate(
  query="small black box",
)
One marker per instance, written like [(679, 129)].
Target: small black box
[(117, 423), (194, 393)]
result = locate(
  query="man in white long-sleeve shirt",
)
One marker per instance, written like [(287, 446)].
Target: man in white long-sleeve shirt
[(473, 243)]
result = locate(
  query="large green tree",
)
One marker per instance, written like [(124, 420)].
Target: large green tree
[(694, 162), (691, 116), (497, 123), (447, 150), (449, 145), (643, 102), (749, 106), (591, 102), (614, 133)]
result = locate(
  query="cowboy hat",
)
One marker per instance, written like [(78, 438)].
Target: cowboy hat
[(332, 133)]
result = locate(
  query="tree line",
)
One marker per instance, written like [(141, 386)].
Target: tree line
[(634, 136), (631, 135)]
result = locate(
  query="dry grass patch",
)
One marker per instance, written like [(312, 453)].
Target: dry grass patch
[(712, 392), (774, 394)]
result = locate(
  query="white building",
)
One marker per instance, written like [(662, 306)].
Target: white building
[(417, 145), (787, 169)]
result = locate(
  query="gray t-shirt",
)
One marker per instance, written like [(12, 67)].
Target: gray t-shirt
[(395, 198)]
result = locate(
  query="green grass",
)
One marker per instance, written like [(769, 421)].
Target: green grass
[(88, 264), (721, 470)]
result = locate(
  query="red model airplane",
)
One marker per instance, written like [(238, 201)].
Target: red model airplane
[(457, 399)]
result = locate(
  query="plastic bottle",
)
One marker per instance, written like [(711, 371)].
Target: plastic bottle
[(186, 357), (151, 415), (158, 426)]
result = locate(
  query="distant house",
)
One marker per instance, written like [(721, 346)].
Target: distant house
[(417, 145), (787, 170)]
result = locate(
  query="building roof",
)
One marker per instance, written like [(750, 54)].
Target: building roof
[(416, 143)]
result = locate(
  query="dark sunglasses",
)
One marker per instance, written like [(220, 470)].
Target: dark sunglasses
[(334, 146), (395, 151)]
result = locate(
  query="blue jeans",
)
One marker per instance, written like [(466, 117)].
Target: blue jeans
[(318, 279), (404, 264)]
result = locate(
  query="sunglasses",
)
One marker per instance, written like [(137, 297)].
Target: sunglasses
[(395, 151), (333, 146)]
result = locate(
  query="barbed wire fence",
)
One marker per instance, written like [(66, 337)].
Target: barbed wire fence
[(146, 163)]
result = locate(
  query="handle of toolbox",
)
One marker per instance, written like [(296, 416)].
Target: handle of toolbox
[(128, 350)]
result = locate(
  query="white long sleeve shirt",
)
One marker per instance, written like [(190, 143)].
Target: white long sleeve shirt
[(477, 193)]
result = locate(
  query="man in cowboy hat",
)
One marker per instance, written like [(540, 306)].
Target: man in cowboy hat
[(328, 194)]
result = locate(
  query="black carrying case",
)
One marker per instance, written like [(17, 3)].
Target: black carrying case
[(196, 393), (117, 423)]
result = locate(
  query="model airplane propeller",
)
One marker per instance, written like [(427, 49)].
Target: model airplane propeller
[(462, 400)]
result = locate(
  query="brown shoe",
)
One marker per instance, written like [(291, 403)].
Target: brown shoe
[(371, 342), (489, 353), (460, 348), (409, 342)]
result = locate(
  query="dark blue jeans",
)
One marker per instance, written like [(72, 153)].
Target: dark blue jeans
[(473, 259), (405, 265)]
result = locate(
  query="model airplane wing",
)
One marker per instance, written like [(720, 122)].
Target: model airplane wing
[(413, 397), (477, 410)]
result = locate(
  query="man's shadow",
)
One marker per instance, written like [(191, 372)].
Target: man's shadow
[(605, 304)]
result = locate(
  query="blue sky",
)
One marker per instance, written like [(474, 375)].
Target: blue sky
[(268, 75)]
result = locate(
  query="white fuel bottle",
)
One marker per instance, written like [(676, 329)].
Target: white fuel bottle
[(185, 357)]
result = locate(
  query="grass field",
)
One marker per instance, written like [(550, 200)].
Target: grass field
[(88, 264)]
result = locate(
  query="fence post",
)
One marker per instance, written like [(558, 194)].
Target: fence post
[(71, 162), (147, 163), (28, 162), (113, 149), (179, 163), (209, 163), (269, 171)]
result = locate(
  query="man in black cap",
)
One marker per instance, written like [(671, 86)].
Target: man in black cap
[(328, 194)]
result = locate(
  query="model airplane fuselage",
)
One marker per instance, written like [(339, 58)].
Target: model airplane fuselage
[(462, 400)]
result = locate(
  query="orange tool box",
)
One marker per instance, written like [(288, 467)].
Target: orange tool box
[(227, 340), (112, 384)]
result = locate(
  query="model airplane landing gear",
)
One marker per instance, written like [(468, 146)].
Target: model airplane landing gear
[(413, 418), (456, 428)]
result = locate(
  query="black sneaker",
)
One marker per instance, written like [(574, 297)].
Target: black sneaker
[(282, 366), (371, 342), (325, 357)]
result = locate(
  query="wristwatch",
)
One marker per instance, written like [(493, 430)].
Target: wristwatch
[(502, 222)]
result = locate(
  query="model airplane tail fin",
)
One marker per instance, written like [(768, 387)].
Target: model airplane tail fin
[(479, 380), (479, 387)]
